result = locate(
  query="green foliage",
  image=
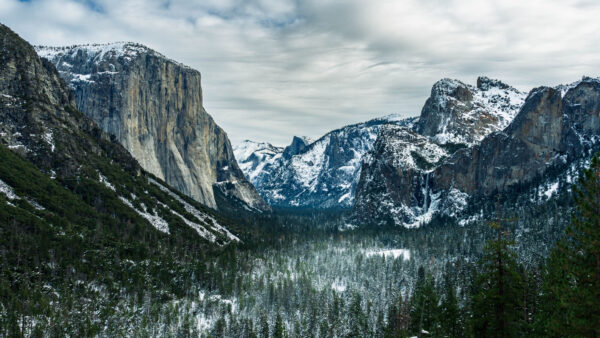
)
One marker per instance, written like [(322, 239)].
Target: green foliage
[(497, 308), (424, 312), (571, 292), (450, 312)]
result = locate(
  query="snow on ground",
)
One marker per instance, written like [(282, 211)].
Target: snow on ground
[(393, 253), (8, 191), (50, 140), (199, 228), (105, 181), (155, 220), (551, 190), (201, 216), (338, 286)]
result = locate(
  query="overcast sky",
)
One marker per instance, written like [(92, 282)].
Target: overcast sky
[(272, 69)]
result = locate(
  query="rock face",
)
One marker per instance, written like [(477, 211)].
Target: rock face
[(550, 128), (255, 159), (40, 121), (460, 113), (322, 174), (394, 177), (153, 106)]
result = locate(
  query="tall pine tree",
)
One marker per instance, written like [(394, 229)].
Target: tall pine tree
[(424, 311), (497, 304), (450, 313)]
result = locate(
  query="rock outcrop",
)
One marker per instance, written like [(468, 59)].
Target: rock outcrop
[(153, 106), (460, 113)]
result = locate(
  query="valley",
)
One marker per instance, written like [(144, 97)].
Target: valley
[(126, 211)]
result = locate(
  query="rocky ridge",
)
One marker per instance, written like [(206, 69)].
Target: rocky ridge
[(325, 173), (464, 114)]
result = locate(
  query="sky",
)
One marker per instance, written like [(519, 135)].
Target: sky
[(272, 69)]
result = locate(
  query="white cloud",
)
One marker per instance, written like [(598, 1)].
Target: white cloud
[(272, 69)]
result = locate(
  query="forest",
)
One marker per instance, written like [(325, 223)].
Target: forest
[(520, 269)]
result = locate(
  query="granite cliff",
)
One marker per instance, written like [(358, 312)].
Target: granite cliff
[(153, 107)]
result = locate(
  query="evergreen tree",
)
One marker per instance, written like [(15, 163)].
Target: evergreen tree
[(264, 326), (279, 328), (358, 320), (450, 319), (571, 292), (497, 303), (424, 305)]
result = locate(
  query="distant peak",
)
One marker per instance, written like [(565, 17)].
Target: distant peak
[(304, 139), (299, 143), (485, 83)]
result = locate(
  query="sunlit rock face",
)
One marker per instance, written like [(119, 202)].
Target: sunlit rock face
[(153, 106)]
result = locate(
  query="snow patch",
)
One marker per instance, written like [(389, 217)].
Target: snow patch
[(48, 137), (155, 220), (386, 253), (8, 191), (201, 216), (338, 286), (105, 181)]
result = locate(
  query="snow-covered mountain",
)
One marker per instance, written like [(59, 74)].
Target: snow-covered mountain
[(325, 173), (321, 174), (461, 113), (69, 170), (554, 128)]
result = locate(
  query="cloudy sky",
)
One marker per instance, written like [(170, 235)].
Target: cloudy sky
[(276, 68)]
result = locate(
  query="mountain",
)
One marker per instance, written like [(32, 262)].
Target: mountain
[(555, 128), (325, 173), (153, 106), (463, 114), (39, 121), (320, 174)]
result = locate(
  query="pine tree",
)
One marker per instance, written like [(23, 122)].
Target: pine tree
[(450, 319), (497, 303), (264, 326), (424, 305), (358, 324), (571, 292), (279, 329)]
